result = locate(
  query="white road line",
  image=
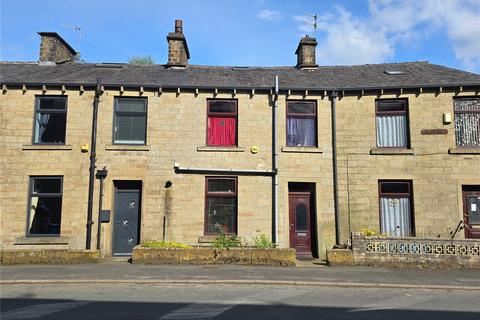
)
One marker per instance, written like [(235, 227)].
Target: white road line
[(209, 310), (198, 311), (395, 302), (39, 310)]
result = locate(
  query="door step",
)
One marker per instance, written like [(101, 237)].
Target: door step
[(120, 260), (311, 263)]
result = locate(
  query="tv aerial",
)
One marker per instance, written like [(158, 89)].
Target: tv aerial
[(79, 31), (311, 19)]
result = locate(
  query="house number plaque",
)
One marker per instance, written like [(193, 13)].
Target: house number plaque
[(433, 131)]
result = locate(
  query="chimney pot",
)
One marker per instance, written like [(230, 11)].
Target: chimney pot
[(178, 26)]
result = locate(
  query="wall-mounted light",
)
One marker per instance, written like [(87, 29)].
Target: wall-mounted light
[(447, 118), (101, 174)]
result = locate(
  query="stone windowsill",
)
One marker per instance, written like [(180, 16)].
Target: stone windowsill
[(127, 147), (392, 151), (211, 238), (302, 149), (47, 147), (465, 150), (41, 240), (220, 149)]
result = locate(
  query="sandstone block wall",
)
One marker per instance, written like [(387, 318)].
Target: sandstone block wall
[(176, 132), (437, 176)]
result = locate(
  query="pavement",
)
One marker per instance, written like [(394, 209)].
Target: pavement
[(306, 274)]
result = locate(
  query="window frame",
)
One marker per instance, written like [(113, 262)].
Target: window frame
[(134, 113), (31, 182), (220, 194), (37, 103), (313, 115), (408, 194), (455, 112), (404, 112), (223, 115)]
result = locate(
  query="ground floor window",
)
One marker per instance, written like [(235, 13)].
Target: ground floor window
[(220, 205), (45, 206), (396, 218)]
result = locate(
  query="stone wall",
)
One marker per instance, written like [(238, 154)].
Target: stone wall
[(49, 256), (244, 256), (53, 49), (437, 172), (176, 132), (416, 252)]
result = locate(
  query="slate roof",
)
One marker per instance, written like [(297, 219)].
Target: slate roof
[(369, 76)]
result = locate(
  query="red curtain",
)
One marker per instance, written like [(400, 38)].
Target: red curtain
[(222, 131)]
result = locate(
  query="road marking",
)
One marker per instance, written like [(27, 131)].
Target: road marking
[(395, 302), (209, 310), (39, 310), (198, 311)]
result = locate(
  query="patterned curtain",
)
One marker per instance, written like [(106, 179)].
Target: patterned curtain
[(467, 122)]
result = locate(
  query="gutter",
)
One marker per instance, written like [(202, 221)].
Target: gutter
[(286, 89)]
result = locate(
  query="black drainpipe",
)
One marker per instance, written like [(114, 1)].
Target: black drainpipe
[(333, 99), (93, 149), (274, 162), (101, 175)]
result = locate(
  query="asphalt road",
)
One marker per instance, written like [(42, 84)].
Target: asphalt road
[(177, 301)]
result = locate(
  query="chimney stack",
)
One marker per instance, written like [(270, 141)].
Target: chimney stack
[(53, 49), (306, 53), (178, 54)]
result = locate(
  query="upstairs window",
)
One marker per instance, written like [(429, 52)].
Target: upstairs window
[(50, 120), (301, 124), (222, 123), (467, 122), (221, 205), (45, 206), (392, 123), (130, 121)]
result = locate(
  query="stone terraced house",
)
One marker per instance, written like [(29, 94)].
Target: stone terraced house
[(304, 154)]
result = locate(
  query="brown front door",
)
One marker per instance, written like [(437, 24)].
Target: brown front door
[(300, 235), (471, 213)]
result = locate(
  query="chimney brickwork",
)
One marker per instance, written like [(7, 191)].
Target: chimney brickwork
[(178, 53), (54, 49), (306, 53)]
